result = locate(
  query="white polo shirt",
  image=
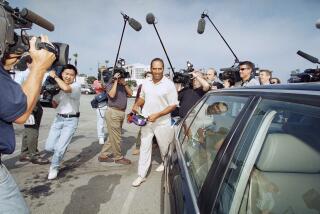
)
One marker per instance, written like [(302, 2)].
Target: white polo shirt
[(158, 96), (68, 103)]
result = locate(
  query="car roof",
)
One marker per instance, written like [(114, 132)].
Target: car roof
[(298, 88)]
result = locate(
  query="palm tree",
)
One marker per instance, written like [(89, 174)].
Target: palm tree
[(75, 59)]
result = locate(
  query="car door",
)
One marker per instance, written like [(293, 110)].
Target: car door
[(275, 167), (207, 126)]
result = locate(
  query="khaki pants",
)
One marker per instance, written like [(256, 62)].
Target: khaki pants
[(114, 120)]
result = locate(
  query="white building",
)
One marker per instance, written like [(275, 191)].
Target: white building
[(137, 71)]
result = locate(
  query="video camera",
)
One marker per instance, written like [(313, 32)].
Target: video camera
[(119, 68), (309, 75), (233, 73), (184, 77), (12, 43)]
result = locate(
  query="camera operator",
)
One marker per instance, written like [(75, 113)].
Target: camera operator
[(265, 77), (118, 92), (99, 87), (29, 146), (16, 105), (67, 103), (189, 96), (246, 75)]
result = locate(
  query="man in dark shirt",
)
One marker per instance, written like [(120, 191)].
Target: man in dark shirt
[(118, 92), (16, 105), (189, 96)]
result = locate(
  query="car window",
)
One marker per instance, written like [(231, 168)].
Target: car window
[(206, 133), (276, 167)]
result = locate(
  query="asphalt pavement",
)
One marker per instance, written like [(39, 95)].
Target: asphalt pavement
[(85, 185)]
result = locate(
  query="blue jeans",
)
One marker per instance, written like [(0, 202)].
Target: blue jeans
[(11, 200), (60, 135)]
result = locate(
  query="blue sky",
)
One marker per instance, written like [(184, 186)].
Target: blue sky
[(267, 32)]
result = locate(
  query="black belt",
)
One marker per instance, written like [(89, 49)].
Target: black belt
[(70, 115)]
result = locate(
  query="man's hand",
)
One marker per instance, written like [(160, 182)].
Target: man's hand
[(52, 74), (135, 109), (116, 76), (153, 117), (41, 59)]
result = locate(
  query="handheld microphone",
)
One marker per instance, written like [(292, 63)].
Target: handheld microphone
[(150, 18), (201, 26), (35, 18), (308, 57), (135, 24)]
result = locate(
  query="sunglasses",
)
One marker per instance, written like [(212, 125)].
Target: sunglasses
[(242, 69)]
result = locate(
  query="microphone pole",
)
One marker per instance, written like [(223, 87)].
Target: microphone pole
[(151, 20), (125, 18), (206, 15)]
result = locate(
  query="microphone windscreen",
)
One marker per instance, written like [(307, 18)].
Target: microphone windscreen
[(150, 18), (318, 24), (135, 24), (201, 26), (308, 57), (38, 20)]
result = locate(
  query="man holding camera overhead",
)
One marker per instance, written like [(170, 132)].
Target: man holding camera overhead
[(118, 92)]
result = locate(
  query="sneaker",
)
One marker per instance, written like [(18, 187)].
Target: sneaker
[(160, 168), (101, 140), (123, 161), (53, 173), (136, 151), (138, 181)]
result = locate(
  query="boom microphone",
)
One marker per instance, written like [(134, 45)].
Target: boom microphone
[(135, 24), (150, 18), (35, 18), (308, 57), (201, 26), (318, 24)]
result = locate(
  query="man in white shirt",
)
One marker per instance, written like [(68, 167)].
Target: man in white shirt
[(158, 98), (67, 103)]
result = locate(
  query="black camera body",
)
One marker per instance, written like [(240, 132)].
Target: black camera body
[(50, 88), (123, 73), (12, 43), (184, 77), (309, 75)]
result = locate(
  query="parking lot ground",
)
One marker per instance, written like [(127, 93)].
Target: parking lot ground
[(85, 185)]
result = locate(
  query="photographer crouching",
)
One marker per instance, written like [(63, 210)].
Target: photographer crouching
[(67, 103)]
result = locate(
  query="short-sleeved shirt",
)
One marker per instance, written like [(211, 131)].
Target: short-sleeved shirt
[(69, 103), (158, 96), (188, 97), (120, 100), (13, 104)]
